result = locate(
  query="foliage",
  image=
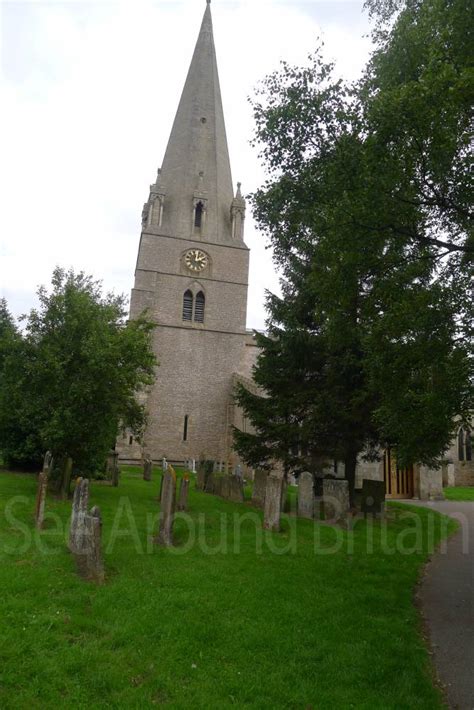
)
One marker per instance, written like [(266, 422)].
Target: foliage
[(195, 641), (366, 209), (74, 374)]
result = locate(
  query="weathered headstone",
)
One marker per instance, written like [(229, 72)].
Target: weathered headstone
[(164, 465), (168, 505), (259, 487), (85, 535), (238, 471), (42, 489), (112, 467), (305, 495), (193, 466), (80, 502), (147, 468), (235, 489), (209, 485), (336, 499), (183, 493), (205, 470), (373, 497), (219, 485), (272, 506), (89, 559)]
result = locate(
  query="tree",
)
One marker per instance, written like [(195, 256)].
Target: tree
[(83, 366), (365, 347)]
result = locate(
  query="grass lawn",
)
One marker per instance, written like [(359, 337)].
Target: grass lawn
[(459, 493), (213, 624)]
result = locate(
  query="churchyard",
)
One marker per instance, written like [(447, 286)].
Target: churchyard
[(224, 613)]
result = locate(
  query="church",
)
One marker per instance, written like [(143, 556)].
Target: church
[(192, 278)]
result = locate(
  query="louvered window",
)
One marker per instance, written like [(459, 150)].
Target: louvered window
[(198, 215), (199, 308), (188, 306)]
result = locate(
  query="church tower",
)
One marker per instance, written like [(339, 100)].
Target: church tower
[(192, 275)]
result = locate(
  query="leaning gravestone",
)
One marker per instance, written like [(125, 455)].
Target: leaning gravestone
[(85, 535), (42, 489), (168, 505), (373, 497), (305, 495), (147, 469), (272, 507), (336, 499), (259, 488), (183, 493)]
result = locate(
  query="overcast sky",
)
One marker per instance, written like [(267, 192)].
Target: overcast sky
[(89, 93)]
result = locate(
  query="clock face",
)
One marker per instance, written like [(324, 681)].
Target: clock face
[(196, 260)]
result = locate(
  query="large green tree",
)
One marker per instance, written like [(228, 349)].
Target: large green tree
[(72, 378), (368, 344)]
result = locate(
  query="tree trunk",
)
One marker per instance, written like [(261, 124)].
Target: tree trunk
[(66, 478), (350, 463)]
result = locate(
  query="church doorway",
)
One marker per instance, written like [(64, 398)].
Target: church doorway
[(399, 482)]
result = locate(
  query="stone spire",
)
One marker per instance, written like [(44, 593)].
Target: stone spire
[(196, 173)]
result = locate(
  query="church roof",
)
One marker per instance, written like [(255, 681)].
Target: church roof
[(196, 162)]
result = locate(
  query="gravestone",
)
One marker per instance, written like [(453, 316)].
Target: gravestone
[(259, 488), (42, 489), (272, 506), (80, 503), (205, 469), (66, 478), (238, 472), (85, 535), (183, 493), (193, 464), (336, 499), (164, 465), (147, 468), (209, 485), (373, 497), (305, 495), (235, 489), (168, 505), (112, 467)]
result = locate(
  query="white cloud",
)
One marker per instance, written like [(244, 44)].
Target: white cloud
[(91, 91)]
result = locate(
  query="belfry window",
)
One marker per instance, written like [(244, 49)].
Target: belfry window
[(199, 307), (188, 305), (185, 429), (199, 209)]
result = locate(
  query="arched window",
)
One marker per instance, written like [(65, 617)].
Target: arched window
[(198, 215), (464, 444), (468, 445), (188, 305), (199, 307), (461, 444)]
